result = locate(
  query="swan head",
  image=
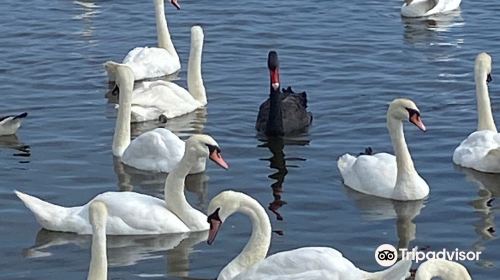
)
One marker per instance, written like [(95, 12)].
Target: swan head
[(176, 5), (204, 146), (483, 66), (97, 214), (273, 65), (405, 109), (221, 207), (444, 269), (123, 75), (197, 35)]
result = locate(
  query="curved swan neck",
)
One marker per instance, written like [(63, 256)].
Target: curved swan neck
[(404, 161), (164, 40), (174, 185), (174, 194), (98, 269), (257, 247), (194, 79), (125, 82), (443, 269), (485, 117)]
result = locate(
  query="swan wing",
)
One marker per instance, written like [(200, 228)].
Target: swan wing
[(422, 8), (262, 116), (296, 118), (295, 115), (479, 151), (161, 98), (157, 150), (304, 263), (153, 62), (129, 213), (369, 174)]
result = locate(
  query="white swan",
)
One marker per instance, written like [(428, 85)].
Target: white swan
[(98, 214), (153, 62), (423, 8), (303, 263), (443, 269), (10, 124), (481, 150), (158, 150), (152, 99), (131, 213), (385, 175)]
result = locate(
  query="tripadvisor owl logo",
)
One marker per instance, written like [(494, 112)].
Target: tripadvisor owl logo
[(386, 255)]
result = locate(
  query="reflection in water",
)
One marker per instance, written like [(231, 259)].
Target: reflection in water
[(376, 208), (125, 250), (183, 126), (151, 183), (12, 142), (488, 190), (89, 11), (278, 162), (426, 30)]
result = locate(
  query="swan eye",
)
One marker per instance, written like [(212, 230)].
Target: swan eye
[(214, 216), (489, 78), (412, 112), (212, 148)]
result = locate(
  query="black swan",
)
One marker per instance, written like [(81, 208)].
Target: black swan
[(284, 113)]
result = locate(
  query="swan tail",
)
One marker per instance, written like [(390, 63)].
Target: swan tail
[(368, 151), (345, 163), (10, 124), (47, 214), (399, 271)]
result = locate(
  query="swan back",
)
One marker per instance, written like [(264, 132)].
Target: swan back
[(98, 269), (444, 269)]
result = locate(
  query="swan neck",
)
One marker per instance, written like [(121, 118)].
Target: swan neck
[(121, 137), (258, 245), (275, 120), (98, 269), (164, 40), (485, 117), (404, 161), (194, 79), (442, 269), (175, 198)]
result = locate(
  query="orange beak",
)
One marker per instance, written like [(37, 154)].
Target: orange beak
[(417, 121), (216, 157), (176, 5)]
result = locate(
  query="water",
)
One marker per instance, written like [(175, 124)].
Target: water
[(352, 59)]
